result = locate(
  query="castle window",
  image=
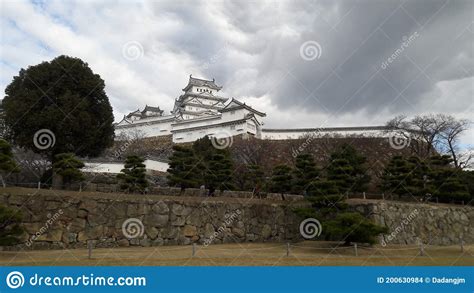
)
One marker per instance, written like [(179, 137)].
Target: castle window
[(232, 127)]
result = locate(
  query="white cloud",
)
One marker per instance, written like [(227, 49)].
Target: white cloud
[(252, 49)]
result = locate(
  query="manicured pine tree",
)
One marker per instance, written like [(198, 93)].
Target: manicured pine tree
[(305, 174), (281, 179), (339, 222), (10, 229), (397, 176), (446, 181), (7, 163), (467, 178), (352, 227), (133, 175), (68, 166), (215, 165), (219, 172), (256, 178), (340, 172), (348, 169), (184, 168)]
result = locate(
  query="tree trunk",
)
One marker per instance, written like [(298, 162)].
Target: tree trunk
[(3, 181), (57, 182)]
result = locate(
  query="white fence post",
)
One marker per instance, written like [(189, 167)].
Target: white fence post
[(288, 249), (462, 244), (422, 249), (355, 249)]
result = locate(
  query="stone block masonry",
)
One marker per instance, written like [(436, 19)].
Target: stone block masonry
[(68, 219), (412, 223), (159, 220)]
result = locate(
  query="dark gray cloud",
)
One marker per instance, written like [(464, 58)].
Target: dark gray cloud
[(253, 48)]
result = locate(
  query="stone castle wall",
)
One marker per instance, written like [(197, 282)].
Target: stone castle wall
[(71, 219), (65, 219), (412, 223)]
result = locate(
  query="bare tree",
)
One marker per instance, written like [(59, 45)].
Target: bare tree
[(434, 133), (451, 133)]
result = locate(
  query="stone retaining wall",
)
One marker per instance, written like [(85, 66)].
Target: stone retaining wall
[(65, 219), (412, 223), (69, 220), (105, 187)]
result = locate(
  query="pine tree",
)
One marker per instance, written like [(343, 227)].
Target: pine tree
[(340, 172), (7, 163), (219, 172), (10, 228), (398, 177), (339, 223), (68, 167), (215, 165), (133, 175), (256, 178), (446, 181), (324, 187), (184, 168), (281, 179), (347, 168), (305, 174), (353, 227)]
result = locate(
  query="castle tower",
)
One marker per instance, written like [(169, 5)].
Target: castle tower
[(200, 99)]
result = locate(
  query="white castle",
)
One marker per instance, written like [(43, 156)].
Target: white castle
[(201, 111)]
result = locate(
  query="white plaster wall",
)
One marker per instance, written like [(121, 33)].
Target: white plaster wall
[(192, 135), (298, 134), (115, 168)]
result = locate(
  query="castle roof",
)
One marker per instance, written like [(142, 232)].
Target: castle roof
[(202, 82), (152, 109), (235, 105)]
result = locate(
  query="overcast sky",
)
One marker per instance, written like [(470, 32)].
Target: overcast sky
[(305, 63)]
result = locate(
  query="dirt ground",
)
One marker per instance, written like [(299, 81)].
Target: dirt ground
[(249, 254)]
